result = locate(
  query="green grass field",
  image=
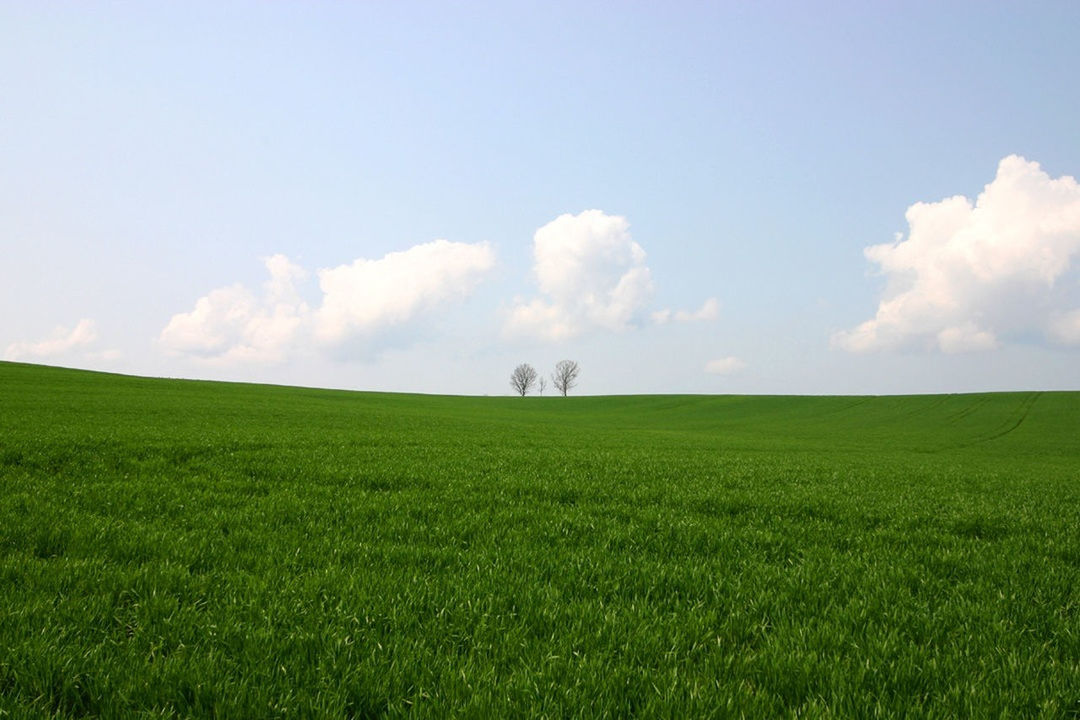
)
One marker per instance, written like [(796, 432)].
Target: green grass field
[(178, 548)]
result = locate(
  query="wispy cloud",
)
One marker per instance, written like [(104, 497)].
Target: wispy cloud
[(724, 365), (709, 310), (61, 341)]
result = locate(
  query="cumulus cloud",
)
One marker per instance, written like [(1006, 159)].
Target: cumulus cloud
[(592, 274), (970, 275), (235, 325), (368, 295), (724, 365), (60, 342)]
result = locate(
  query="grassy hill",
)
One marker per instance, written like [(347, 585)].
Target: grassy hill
[(194, 548)]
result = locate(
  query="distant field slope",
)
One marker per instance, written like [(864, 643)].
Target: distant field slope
[(179, 548)]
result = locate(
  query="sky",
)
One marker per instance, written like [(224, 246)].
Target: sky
[(767, 197)]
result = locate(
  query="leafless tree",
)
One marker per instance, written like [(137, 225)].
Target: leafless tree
[(541, 384), (565, 376), (523, 378)]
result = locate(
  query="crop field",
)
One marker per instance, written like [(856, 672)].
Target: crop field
[(180, 548)]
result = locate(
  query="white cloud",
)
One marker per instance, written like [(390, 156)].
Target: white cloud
[(233, 325), (724, 365), (709, 310), (1065, 327), (593, 276), (970, 274), (60, 342), (368, 295), (965, 338)]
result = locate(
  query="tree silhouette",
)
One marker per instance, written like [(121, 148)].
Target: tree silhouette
[(523, 378), (565, 376)]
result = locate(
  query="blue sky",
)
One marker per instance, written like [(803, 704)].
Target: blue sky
[(680, 197)]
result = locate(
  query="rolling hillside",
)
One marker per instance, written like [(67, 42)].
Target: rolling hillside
[(195, 548)]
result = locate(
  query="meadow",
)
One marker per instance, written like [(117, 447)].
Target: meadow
[(195, 549)]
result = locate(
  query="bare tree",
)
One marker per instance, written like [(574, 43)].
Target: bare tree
[(541, 384), (523, 378), (565, 376)]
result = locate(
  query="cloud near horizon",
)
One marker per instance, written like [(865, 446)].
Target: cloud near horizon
[(724, 365), (368, 295), (973, 275), (234, 325), (60, 342), (591, 273), (592, 276)]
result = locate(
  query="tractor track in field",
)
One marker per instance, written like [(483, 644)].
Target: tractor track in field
[(1025, 410), (968, 410)]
